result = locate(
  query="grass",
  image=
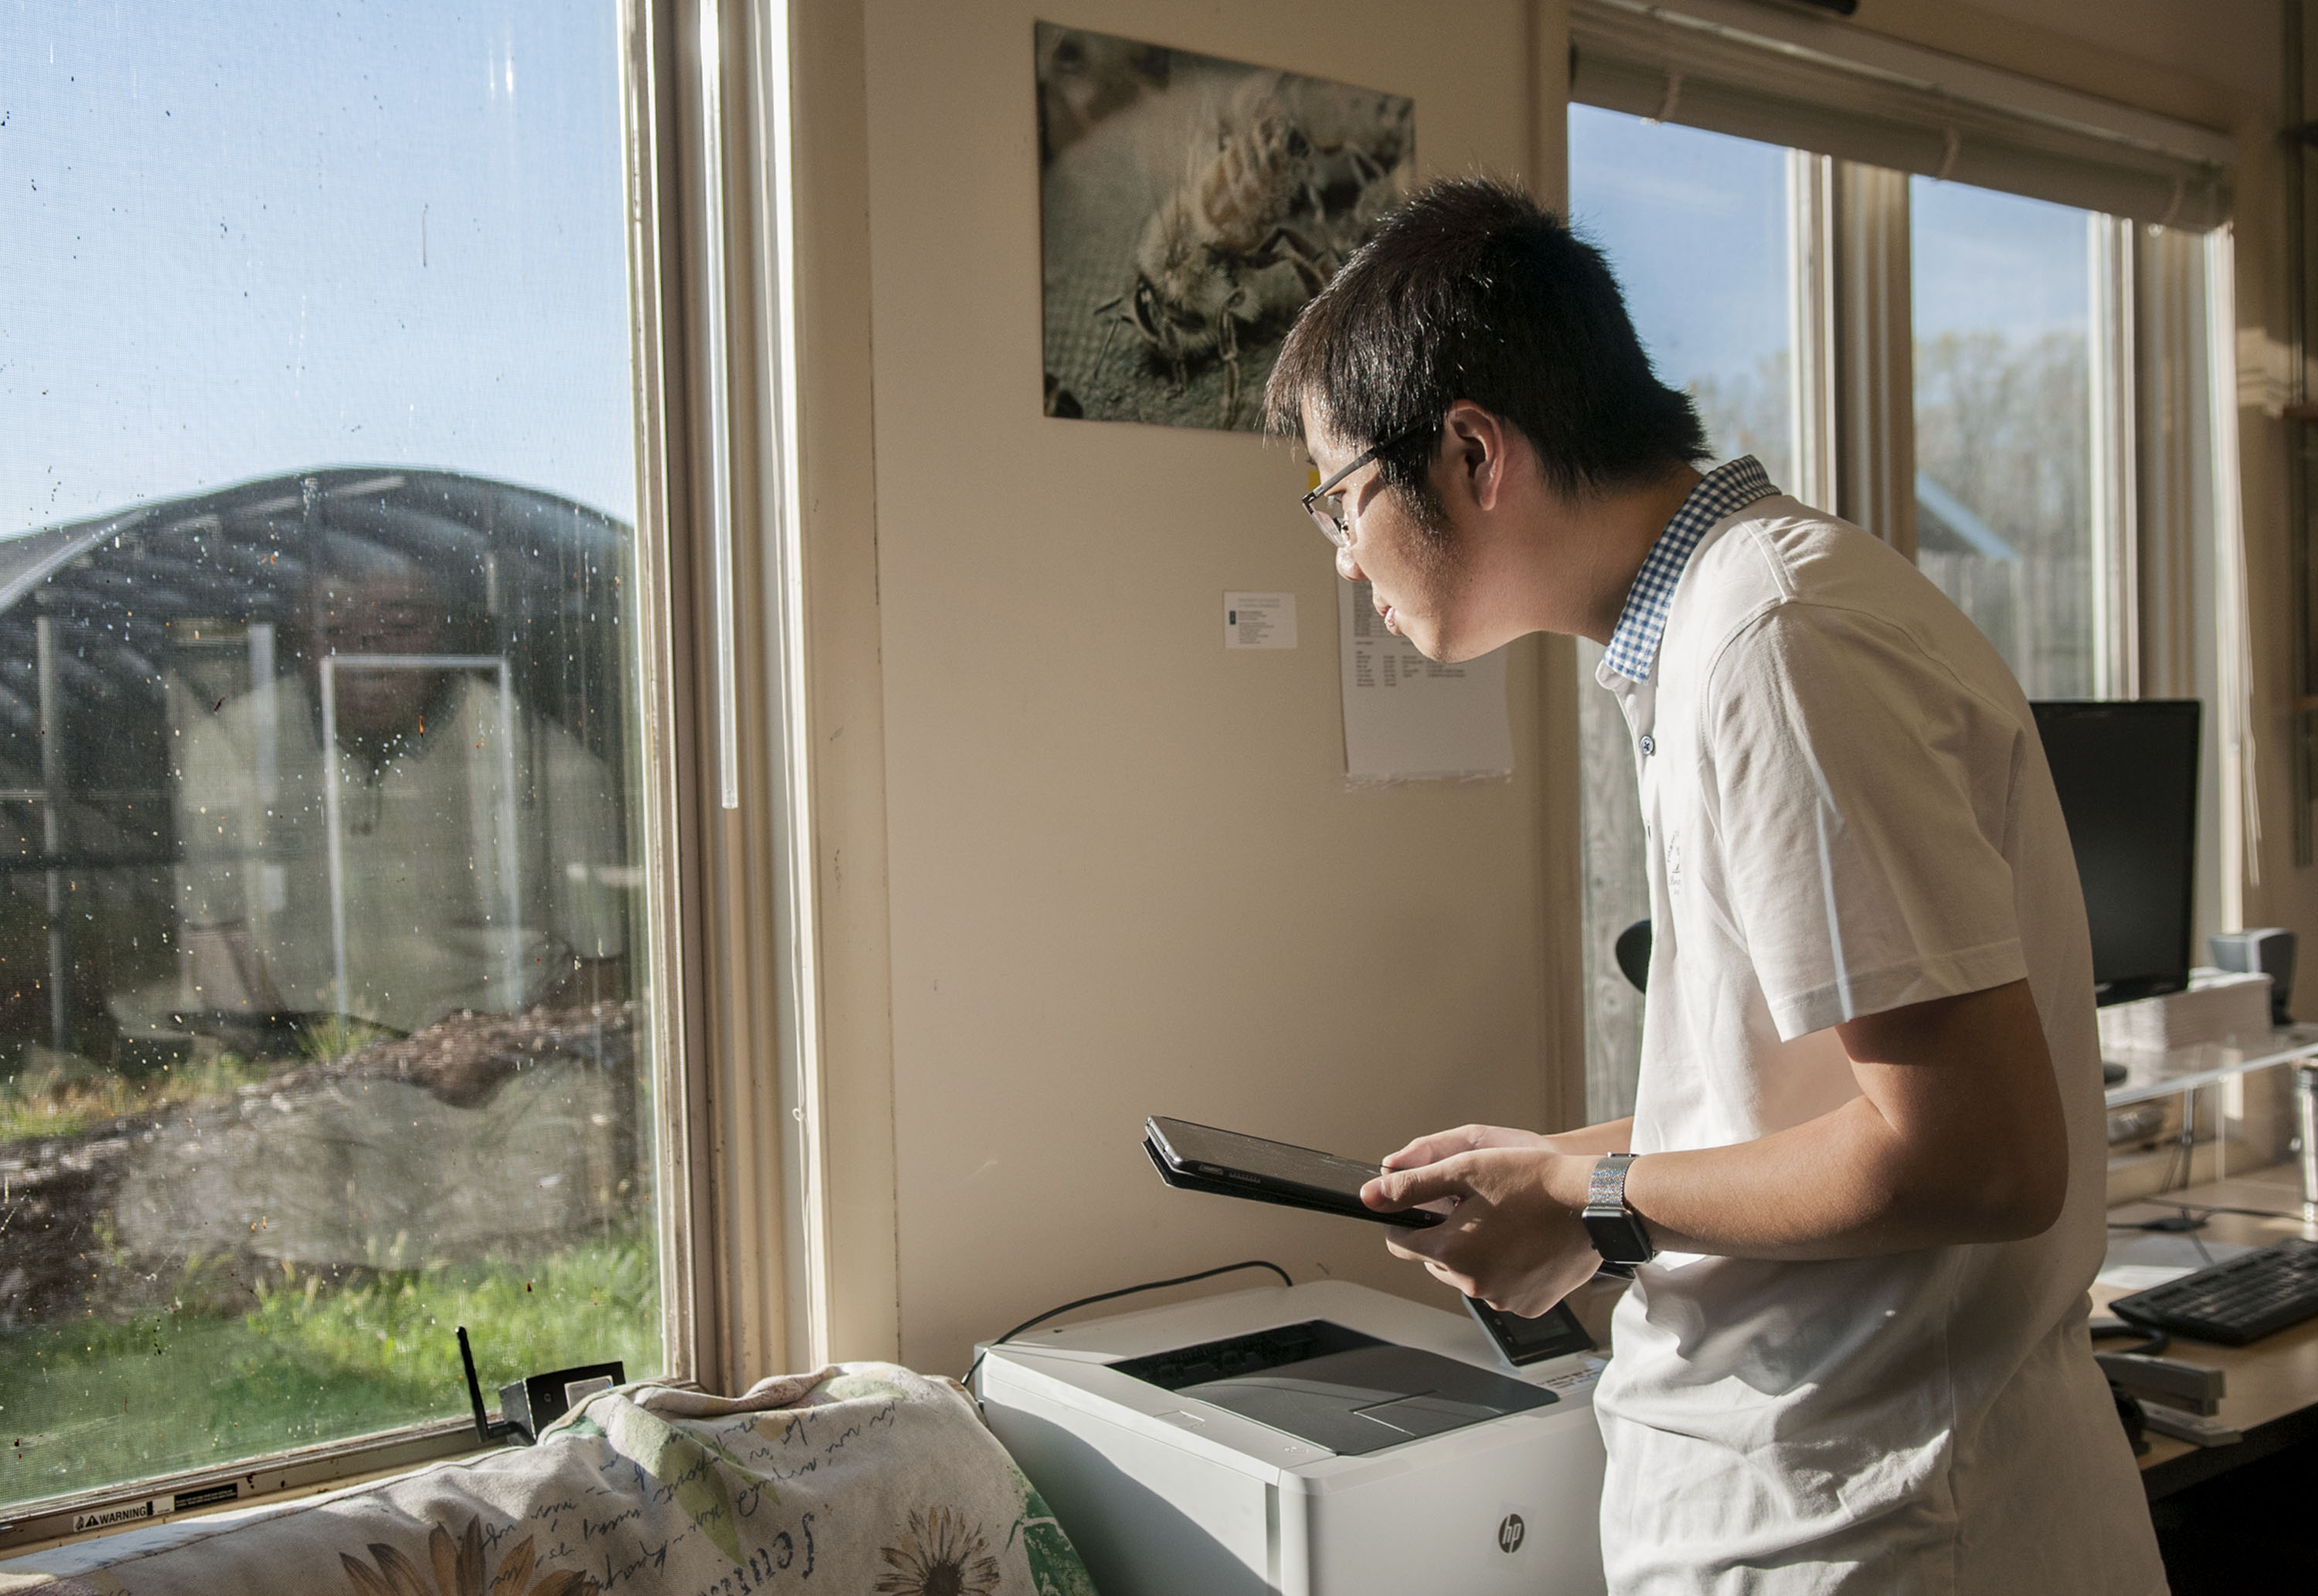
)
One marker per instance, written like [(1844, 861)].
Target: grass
[(71, 1095), (97, 1404), (100, 1097), (337, 1036)]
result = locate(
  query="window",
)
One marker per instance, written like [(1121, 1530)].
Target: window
[(2004, 404), (1697, 227), (331, 880), (1998, 354)]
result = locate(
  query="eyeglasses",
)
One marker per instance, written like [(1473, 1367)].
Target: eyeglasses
[(1325, 506)]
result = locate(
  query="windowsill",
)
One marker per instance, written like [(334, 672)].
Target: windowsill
[(297, 1477), (263, 1484), (245, 1506)]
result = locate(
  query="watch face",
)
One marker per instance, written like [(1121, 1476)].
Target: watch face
[(1618, 1237)]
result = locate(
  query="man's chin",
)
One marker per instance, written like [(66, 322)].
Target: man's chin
[(1428, 641), (1444, 647), (1434, 640), (1413, 631)]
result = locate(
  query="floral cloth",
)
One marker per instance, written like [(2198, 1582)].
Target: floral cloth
[(859, 1478)]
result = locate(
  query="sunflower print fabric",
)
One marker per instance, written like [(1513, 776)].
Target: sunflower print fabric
[(857, 1478)]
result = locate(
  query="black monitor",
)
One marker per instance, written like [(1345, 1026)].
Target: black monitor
[(2128, 776)]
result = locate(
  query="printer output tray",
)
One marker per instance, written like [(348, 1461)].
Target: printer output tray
[(1338, 1388)]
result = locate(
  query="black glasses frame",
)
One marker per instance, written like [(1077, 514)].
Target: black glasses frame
[(1331, 520)]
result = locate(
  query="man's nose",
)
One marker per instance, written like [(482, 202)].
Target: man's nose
[(1348, 564)]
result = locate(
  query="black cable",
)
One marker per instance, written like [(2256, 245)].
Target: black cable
[(2249, 1213), (2196, 1214), (2183, 1157), (2189, 1219), (2166, 1224), (1104, 1296)]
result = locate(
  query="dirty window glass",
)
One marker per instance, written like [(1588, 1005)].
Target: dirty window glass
[(2003, 304), (321, 934)]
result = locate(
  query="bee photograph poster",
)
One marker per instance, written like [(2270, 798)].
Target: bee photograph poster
[(1189, 207)]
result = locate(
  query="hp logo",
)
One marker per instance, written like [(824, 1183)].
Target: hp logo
[(1509, 1533)]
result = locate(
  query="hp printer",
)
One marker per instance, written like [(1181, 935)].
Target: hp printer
[(1323, 1439)]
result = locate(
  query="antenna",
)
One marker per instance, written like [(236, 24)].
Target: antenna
[(486, 1431)]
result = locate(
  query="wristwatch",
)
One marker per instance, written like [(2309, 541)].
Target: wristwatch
[(1616, 1229)]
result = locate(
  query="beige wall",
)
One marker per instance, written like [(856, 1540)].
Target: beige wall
[(1120, 869), (1126, 874)]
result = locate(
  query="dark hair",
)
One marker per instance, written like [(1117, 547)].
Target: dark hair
[(1473, 291)]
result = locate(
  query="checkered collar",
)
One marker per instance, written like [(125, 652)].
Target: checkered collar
[(1723, 491)]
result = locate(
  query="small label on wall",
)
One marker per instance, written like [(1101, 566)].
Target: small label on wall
[(1259, 620)]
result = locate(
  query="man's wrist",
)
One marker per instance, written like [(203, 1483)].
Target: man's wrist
[(1567, 1176), (1617, 1230), (1591, 1141)]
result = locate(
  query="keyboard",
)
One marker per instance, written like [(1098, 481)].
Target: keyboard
[(2238, 1300)]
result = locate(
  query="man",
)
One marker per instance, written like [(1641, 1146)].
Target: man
[(1868, 1143), (470, 845)]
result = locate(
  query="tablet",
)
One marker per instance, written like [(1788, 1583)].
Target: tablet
[(1521, 1342), (1226, 1164)]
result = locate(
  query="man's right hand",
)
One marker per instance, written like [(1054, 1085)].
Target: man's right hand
[(1612, 1136), (1465, 1138), (1513, 1237)]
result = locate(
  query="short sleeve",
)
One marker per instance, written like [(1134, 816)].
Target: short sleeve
[(1862, 796)]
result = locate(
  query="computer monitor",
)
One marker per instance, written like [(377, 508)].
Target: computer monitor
[(2128, 776)]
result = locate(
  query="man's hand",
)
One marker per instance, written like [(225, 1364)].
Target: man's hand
[(1465, 1138), (1513, 1239), (1957, 1135)]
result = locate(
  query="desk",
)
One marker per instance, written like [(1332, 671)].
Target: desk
[(2273, 1384), (2185, 1070)]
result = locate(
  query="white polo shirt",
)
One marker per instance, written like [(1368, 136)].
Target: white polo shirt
[(1848, 811)]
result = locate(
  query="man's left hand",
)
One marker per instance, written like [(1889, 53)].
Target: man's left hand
[(1513, 1239)]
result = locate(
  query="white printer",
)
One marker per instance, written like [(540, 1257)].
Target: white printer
[(1323, 1439)]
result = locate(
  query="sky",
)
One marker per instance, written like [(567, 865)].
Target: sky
[(1983, 260), (1694, 225), (290, 235), (300, 237)]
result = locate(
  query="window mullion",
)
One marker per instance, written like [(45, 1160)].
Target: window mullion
[(1810, 312), (2238, 811), (1874, 354), (2110, 346), (2172, 502)]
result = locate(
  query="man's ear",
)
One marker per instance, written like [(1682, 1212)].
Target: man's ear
[(1473, 450)]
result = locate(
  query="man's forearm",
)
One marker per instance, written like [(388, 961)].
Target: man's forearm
[(1957, 1135), (1612, 1136), (1845, 1185)]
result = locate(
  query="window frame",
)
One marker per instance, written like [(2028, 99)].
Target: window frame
[(734, 1100)]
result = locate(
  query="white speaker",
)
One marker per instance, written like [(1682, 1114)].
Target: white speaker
[(2267, 952)]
